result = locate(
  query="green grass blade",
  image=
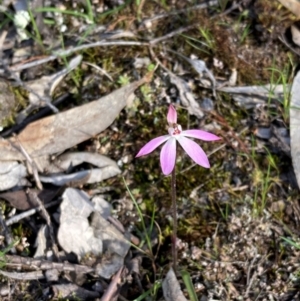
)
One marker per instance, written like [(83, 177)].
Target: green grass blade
[(90, 11), (148, 239), (3, 252), (152, 291), (189, 285), (292, 243), (56, 10)]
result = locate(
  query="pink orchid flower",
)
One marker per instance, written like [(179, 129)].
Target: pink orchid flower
[(168, 151)]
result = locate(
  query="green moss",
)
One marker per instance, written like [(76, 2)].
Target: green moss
[(21, 102)]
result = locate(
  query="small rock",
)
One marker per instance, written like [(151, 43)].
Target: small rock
[(207, 104)]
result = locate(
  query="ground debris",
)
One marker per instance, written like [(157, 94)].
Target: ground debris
[(70, 291), (23, 276), (59, 132), (294, 126), (171, 288), (27, 263)]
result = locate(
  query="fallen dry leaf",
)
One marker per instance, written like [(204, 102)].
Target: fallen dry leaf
[(66, 162), (295, 126), (89, 176), (78, 235), (251, 96), (292, 5), (12, 174), (171, 288), (74, 233), (112, 239), (59, 132), (71, 159), (21, 200), (295, 34), (186, 96), (41, 242)]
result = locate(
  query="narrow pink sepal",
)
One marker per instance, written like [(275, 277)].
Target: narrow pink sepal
[(152, 145), (168, 156), (202, 135), (194, 151), (172, 115)]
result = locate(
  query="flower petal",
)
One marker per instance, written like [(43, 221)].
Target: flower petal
[(206, 136), (172, 115), (168, 156), (152, 145), (194, 151)]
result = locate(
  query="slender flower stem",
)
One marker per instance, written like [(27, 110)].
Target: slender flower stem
[(174, 207)]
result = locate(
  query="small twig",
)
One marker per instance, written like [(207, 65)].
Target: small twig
[(48, 221), (112, 289), (253, 277), (102, 71), (171, 34), (67, 52), (158, 62), (27, 263), (138, 281), (229, 10), (233, 189), (288, 45), (250, 281), (18, 217), (133, 239), (23, 276), (7, 234), (32, 164), (180, 11)]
